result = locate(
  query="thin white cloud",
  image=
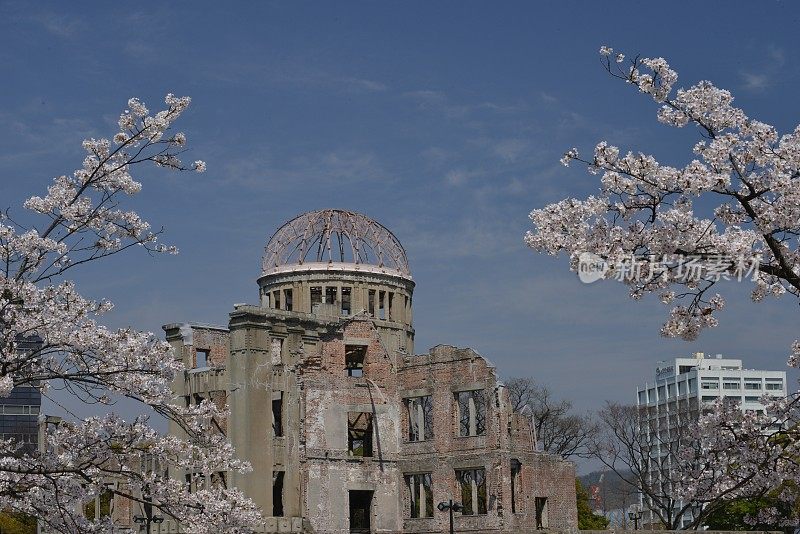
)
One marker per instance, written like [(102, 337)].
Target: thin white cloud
[(510, 149), (333, 168), (456, 177), (57, 24), (439, 102), (436, 155), (140, 50), (426, 95), (358, 85), (755, 82), (294, 72), (464, 238), (547, 98), (764, 76), (777, 54)]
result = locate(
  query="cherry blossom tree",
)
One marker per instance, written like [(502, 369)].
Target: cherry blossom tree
[(650, 227), (51, 338)]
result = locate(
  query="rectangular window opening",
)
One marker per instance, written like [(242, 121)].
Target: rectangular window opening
[(98, 507), (277, 493), (471, 412), (381, 304), (516, 468), (420, 491), (346, 300), (201, 358), (331, 295), (287, 299), (360, 510), (277, 413), (390, 307), (420, 418), (276, 300), (473, 490), (316, 296), (371, 304), (359, 434), (195, 482), (219, 479), (354, 359)]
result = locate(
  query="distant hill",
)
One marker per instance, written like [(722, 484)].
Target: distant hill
[(613, 493)]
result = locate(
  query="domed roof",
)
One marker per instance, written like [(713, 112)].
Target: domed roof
[(334, 239)]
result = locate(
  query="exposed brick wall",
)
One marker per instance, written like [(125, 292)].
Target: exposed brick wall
[(443, 371), (441, 374), (213, 340), (312, 374), (330, 471)]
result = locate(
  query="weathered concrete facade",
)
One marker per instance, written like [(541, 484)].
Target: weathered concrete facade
[(347, 430)]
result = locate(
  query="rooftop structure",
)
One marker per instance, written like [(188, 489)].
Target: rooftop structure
[(334, 239), (703, 380)]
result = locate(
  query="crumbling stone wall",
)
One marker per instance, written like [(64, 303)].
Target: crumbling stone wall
[(442, 373), (216, 341), (331, 471), (303, 358)]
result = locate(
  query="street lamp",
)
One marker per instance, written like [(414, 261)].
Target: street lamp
[(635, 514), (453, 507), (148, 516)]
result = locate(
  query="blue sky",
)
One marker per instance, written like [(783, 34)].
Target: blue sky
[(444, 121)]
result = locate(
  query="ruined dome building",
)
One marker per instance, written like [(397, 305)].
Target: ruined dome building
[(347, 430)]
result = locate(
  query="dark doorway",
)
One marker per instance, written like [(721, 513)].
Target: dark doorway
[(277, 493), (541, 513), (360, 510)]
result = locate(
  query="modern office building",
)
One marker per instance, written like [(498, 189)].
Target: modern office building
[(346, 428), (19, 412), (676, 398)]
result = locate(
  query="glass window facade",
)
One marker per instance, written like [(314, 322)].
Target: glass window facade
[(19, 414)]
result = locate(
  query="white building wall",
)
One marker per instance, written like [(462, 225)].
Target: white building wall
[(684, 385)]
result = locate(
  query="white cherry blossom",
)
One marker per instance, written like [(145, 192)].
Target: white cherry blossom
[(749, 175), (82, 219)]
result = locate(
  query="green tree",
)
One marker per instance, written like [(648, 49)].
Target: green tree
[(739, 514), (587, 520), (16, 523)]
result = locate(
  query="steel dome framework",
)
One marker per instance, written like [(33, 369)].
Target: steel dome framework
[(334, 236)]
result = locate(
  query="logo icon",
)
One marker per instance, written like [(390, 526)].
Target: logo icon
[(591, 267)]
